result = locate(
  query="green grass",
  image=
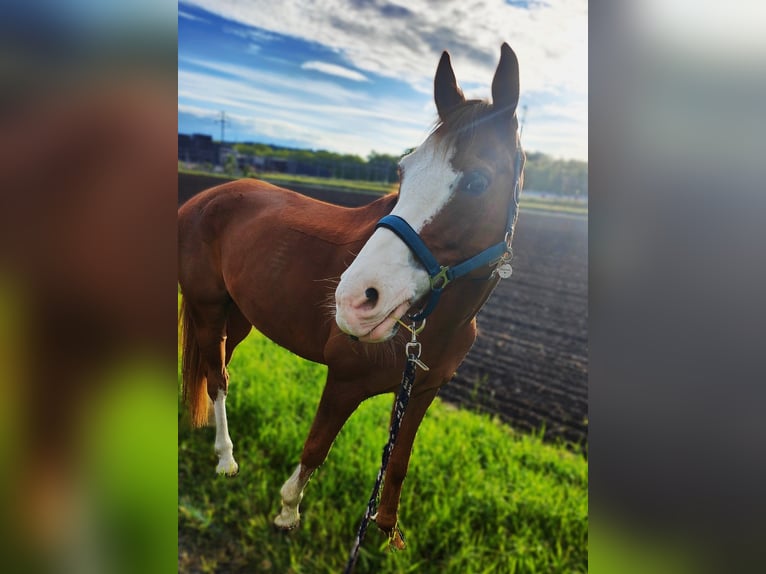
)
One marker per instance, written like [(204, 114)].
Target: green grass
[(286, 179), (478, 496), (325, 182), (558, 205), (203, 172), (550, 204)]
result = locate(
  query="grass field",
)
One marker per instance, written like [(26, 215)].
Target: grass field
[(324, 182), (478, 497), (560, 205), (285, 179)]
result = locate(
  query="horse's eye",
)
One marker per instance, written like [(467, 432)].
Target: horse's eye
[(475, 182)]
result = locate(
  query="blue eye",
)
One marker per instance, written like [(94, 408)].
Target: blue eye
[(475, 182)]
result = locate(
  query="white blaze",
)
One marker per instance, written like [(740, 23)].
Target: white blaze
[(385, 262)]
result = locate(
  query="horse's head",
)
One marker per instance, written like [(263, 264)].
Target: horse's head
[(456, 192)]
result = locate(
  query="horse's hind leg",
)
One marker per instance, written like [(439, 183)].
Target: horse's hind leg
[(237, 328), (211, 333), (338, 401), (224, 448)]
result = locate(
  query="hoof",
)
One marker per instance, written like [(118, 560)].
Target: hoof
[(286, 527), (287, 519), (227, 467), (395, 541), (394, 535)]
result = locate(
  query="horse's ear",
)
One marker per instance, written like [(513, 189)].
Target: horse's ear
[(447, 93), (505, 84)]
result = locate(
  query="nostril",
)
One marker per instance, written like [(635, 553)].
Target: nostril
[(372, 294)]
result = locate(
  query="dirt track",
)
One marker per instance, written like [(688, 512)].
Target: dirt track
[(530, 363)]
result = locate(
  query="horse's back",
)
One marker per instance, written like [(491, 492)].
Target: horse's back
[(260, 205), (212, 211), (275, 253)]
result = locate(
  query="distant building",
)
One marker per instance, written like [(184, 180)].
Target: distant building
[(198, 148)]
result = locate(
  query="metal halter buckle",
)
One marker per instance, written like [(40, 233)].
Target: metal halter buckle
[(414, 331), (413, 349), (440, 280)]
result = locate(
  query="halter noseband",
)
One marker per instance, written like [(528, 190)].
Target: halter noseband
[(497, 255)]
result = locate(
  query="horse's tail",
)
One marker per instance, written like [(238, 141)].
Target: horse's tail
[(192, 370)]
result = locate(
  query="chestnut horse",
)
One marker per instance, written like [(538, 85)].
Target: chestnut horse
[(251, 253)]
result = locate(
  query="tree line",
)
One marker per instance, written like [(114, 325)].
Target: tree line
[(557, 176), (542, 172)]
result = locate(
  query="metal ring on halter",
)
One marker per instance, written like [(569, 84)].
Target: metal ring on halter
[(441, 279), (413, 345)]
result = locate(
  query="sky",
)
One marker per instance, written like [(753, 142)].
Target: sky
[(356, 76)]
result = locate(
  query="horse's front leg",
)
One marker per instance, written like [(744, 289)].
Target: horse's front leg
[(339, 400), (292, 493), (396, 470)]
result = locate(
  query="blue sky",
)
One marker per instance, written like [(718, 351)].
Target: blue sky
[(356, 76)]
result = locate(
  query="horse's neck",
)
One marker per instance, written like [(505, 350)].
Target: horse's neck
[(345, 226), (463, 300)]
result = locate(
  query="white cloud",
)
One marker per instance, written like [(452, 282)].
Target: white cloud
[(405, 43), (334, 70), (278, 107), (277, 82), (182, 14)]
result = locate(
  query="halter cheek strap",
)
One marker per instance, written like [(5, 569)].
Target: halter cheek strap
[(442, 275)]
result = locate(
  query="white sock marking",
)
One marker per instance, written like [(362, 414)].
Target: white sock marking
[(292, 494), (224, 448)]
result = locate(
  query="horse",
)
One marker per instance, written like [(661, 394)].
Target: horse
[(332, 284)]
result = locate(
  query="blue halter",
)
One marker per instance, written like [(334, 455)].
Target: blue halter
[(442, 275)]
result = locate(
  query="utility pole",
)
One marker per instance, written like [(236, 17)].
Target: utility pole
[(223, 121)]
